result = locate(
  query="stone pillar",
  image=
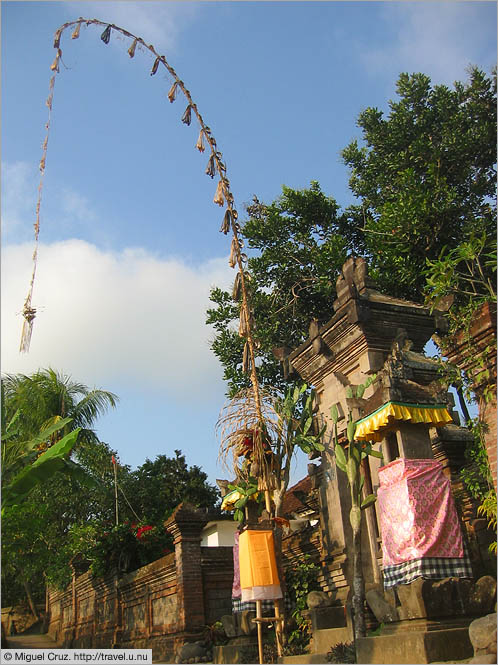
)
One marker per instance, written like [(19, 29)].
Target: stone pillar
[(185, 525), (413, 440)]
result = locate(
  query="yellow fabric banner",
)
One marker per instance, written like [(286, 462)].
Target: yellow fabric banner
[(370, 428), (258, 566)]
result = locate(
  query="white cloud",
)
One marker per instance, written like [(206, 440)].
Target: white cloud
[(157, 22), (440, 39), (19, 195), (76, 206), (108, 318)]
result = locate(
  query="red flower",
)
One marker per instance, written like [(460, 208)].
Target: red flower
[(142, 530)]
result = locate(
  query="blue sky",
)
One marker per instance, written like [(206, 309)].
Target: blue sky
[(129, 238)]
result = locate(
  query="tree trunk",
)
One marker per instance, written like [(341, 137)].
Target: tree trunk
[(31, 602)]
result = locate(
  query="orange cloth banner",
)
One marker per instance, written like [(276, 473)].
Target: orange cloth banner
[(258, 566)]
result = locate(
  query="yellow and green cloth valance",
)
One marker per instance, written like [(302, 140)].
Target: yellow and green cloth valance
[(371, 428)]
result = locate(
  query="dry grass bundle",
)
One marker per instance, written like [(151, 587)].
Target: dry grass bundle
[(247, 441)]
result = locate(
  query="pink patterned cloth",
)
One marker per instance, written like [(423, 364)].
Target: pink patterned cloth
[(236, 590), (417, 512)]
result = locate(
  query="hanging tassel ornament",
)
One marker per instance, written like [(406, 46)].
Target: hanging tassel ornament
[(57, 38), (237, 288), (55, 65), (200, 142), (172, 92), (219, 199), (227, 219), (187, 116), (131, 50), (233, 256), (243, 323), (29, 314), (106, 35), (246, 359), (155, 66), (210, 168), (76, 31)]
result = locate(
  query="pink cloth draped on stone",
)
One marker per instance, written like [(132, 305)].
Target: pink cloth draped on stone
[(417, 513), (236, 590)]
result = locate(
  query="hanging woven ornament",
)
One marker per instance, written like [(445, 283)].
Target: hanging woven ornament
[(246, 359), (29, 314), (232, 260), (155, 66), (42, 163), (55, 65), (187, 116), (200, 142), (57, 38), (76, 31), (106, 35), (219, 199), (225, 227), (237, 288), (131, 50), (172, 92), (49, 100), (210, 168), (243, 322)]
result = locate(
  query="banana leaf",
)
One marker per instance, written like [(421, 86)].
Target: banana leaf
[(50, 462)]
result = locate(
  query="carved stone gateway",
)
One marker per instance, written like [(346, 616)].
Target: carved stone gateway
[(375, 335)]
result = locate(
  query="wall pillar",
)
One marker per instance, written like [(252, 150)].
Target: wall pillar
[(185, 525), (474, 352)]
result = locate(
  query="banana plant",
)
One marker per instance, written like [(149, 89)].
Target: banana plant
[(349, 461), (297, 429), (248, 490), (55, 459)]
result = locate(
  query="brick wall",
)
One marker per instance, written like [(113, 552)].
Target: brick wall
[(469, 352), (160, 606)]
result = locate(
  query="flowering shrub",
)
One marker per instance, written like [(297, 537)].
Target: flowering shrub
[(121, 548)]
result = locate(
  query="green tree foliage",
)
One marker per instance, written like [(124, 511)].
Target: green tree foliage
[(157, 487), (47, 429), (425, 176), (298, 245), (47, 396)]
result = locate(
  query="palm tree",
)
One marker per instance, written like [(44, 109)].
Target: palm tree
[(48, 396), (44, 416)]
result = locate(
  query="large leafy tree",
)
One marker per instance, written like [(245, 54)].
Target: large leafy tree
[(425, 176), (297, 245), (157, 486)]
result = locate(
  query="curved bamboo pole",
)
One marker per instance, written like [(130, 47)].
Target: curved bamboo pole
[(223, 192)]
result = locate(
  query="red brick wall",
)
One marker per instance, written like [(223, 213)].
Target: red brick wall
[(159, 606)]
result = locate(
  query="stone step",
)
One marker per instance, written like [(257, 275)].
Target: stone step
[(304, 658), (325, 639), (416, 647)]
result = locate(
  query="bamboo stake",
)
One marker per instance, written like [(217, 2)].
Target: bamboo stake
[(279, 626), (260, 630)]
